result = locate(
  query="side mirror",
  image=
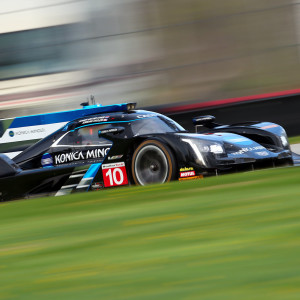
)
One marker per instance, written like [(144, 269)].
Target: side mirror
[(204, 121), (109, 131)]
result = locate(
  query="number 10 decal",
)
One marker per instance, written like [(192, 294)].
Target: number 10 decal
[(114, 174)]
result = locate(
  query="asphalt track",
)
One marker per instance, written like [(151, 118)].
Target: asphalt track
[(296, 153)]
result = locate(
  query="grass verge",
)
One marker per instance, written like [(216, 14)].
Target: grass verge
[(294, 139), (228, 237)]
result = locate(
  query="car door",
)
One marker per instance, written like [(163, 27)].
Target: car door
[(81, 146)]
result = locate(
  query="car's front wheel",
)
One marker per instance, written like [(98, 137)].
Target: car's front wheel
[(152, 162)]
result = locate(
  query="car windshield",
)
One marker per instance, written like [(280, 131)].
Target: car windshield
[(157, 124), (84, 136)]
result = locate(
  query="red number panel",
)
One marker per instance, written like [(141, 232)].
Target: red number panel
[(114, 174)]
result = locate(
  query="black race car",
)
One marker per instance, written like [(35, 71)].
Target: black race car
[(139, 147)]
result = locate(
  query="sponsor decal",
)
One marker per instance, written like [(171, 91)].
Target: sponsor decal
[(95, 120), (114, 174), (18, 134), (32, 131), (97, 186), (47, 160), (97, 153), (190, 178), (113, 165), (186, 169), (115, 157), (146, 116), (80, 155), (245, 150), (109, 130), (262, 153), (187, 174)]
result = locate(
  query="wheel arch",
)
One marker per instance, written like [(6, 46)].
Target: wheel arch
[(141, 142)]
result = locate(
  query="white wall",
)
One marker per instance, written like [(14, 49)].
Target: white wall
[(16, 15)]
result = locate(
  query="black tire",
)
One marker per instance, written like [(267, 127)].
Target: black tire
[(152, 162)]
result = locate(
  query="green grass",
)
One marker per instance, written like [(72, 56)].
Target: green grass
[(227, 237), (294, 139)]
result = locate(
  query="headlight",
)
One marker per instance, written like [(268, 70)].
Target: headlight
[(216, 148), (209, 146), (284, 140), (202, 146), (206, 146)]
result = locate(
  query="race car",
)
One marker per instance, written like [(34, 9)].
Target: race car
[(126, 146)]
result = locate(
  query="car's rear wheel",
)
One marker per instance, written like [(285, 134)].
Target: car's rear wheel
[(152, 162)]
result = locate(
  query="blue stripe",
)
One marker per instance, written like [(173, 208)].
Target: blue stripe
[(92, 171), (65, 116), (110, 122)]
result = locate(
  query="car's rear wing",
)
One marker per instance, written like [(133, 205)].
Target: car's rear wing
[(17, 134)]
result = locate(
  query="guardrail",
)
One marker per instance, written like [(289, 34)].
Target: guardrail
[(282, 108)]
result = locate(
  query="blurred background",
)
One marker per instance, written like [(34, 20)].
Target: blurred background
[(55, 53)]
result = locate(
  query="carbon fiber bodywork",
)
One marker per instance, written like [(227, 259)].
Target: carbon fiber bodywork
[(95, 152)]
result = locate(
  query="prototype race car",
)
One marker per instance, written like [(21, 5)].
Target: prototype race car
[(125, 146)]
